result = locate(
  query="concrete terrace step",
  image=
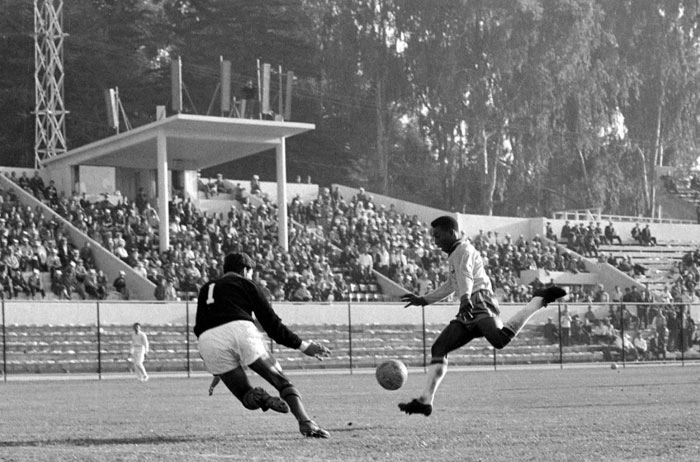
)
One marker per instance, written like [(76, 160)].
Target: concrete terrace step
[(661, 248), (69, 349)]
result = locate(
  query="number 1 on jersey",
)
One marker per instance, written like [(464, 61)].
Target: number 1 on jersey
[(210, 294)]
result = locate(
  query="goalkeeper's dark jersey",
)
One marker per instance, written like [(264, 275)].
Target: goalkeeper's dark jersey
[(235, 298)]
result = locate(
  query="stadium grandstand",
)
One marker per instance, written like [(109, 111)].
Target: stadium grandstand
[(127, 229)]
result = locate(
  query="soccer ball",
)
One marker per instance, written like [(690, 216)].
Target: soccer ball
[(613, 366), (392, 374)]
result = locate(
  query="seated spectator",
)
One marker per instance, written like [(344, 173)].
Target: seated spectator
[(192, 278), (119, 285), (91, 285), (549, 232), (302, 294), (204, 186), (695, 182), (71, 283), (670, 184), (641, 346), (579, 335), (19, 284), (141, 200), (220, 184), (611, 234), (646, 237), (51, 194), (58, 287), (36, 183), (637, 234), (550, 332), (6, 286), (619, 347), (35, 284), (159, 292), (255, 188), (603, 332)]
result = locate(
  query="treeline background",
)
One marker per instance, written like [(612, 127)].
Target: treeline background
[(505, 107)]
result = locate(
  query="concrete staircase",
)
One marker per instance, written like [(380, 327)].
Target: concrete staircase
[(661, 260)]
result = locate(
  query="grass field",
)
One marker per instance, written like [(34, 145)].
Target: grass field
[(649, 413)]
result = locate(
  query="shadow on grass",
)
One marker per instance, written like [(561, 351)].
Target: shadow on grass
[(152, 439)]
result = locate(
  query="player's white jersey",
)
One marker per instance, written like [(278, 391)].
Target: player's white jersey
[(467, 274)]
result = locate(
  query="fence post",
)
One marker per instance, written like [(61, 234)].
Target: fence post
[(187, 336), (561, 347), (622, 332), (682, 334), (425, 353), (4, 344), (99, 343), (350, 334)]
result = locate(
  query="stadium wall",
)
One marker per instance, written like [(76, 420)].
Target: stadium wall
[(307, 314)]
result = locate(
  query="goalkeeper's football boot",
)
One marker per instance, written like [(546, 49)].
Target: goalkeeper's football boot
[(265, 401), (416, 407), (310, 429), (549, 294)]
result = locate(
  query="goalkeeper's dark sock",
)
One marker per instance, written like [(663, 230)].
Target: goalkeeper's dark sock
[(293, 398)]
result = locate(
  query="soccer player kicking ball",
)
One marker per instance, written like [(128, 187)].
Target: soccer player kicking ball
[(478, 316), (229, 340)]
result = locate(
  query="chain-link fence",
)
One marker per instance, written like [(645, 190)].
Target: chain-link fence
[(95, 337)]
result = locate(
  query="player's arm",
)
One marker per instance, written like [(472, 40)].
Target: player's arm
[(272, 324), (444, 290)]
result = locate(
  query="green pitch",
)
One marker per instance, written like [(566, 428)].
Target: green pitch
[(588, 414)]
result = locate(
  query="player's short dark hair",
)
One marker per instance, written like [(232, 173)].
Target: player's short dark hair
[(445, 222), (237, 261)]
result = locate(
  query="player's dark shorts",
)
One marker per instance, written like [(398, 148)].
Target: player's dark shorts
[(484, 304), (483, 320)]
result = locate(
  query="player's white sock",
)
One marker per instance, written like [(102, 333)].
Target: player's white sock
[(519, 319), (436, 372)]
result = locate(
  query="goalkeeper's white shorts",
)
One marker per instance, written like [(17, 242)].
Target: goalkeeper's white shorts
[(236, 343)]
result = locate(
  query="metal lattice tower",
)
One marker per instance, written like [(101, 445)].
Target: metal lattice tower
[(50, 113)]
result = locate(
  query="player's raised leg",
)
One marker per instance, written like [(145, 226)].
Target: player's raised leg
[(269, 369), (540, 299)]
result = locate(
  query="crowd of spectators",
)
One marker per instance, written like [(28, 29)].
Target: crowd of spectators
[(643, 325), (33, 244), (334, 244)]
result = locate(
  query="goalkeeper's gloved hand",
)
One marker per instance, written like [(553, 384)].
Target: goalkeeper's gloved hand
[(315, 349)]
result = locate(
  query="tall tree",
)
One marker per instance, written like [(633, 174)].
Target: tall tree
[(657, 43), (359, 50)]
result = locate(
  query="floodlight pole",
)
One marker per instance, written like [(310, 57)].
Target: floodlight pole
[(49, 110)]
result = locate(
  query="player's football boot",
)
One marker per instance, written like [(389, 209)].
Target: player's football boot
[(549, 294), (310, 429), (416, 407), (265, 401)]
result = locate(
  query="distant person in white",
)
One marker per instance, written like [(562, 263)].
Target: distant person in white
[(139, 350)]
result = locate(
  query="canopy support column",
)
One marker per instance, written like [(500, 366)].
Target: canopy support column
[(163, 193), (281, 155)]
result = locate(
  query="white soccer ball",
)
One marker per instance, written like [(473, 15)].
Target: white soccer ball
[(613, 366), (392, 374)]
